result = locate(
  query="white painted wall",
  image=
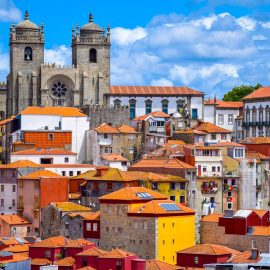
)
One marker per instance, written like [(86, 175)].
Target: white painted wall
[(8, 195), (209, 113), (104, 141), (57, 159), (219, 138), (68, 171), (116, 164)]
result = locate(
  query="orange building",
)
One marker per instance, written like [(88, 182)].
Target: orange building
[(38, 189)]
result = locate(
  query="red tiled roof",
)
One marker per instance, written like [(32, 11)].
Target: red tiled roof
[(38, 174), (228, 144), (153, 114), (212, 218), (209, 249), (106, 128), (263, 92), (127, 129), (154, 91), (114, 157), (256, 140), (61, 111), (244, 257), (67, 261), (224, 104), (40, 261), (42, 152), (211, 128), (52, 242), (14, 220), (92, 252), (117, 253), (158, 265), (19, 164)]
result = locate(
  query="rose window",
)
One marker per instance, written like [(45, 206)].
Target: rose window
[(59, 90)]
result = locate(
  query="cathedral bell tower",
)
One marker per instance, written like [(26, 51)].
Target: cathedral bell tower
[(26, 56), (91, 55)]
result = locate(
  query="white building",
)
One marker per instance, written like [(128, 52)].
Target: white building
[(115, 161), (146, 99), (223, 113), (58, 118), (45, 156), (256, 120)]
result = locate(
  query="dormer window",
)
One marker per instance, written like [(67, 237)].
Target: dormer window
[(28, 54), (93, 56)]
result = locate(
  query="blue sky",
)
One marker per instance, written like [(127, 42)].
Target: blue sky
[(207, 45)]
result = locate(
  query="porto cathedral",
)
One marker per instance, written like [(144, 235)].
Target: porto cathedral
[(31, 82)]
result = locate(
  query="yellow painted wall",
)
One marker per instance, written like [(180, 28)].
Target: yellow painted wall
[(164, 188), (174, 233)]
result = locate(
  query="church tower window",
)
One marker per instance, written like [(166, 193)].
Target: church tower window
[(93, 56), (28, 54)]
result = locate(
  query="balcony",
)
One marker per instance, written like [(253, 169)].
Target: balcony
[(230, 187), (209, 188), (210, 174)]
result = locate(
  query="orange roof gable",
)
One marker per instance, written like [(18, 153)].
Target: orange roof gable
[(60, 111), (44, 152), (164, 163), (243, 257), (114, 157), (263, 92), (224, 104), (130, 194), (117, 254), (20, 164), (106, 129), (127, 129), (158, 265), (229, 144), (212, 218), (156, 114), (92, 252), (52, 242), (40, 261), (18, 248), (38, 174), (211, 128), (157, 208), (209, 249), (68, 261), (256, 140), (78, 243), (154, 91), (14, 220)]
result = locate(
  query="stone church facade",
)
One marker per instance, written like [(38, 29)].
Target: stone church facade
[(31, 82)]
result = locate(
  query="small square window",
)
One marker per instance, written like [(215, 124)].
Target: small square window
[(50, 136), (105, 136), (63, 173), (213, 136), (70, 173), (66, 159)]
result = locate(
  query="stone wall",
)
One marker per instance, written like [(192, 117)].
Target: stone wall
[(211, 233), (72, 227), (128, 233)]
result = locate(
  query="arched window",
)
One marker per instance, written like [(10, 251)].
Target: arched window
[(28, 56), (132, 108), (165, 105), (93, 56), (180, 105), (117, 103), (247, 115), (254, 114), (148, 106)]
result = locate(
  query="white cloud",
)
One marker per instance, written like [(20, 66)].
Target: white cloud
[(60, 55), (122, 36), (247, 23), (161, 82), (9, 12)]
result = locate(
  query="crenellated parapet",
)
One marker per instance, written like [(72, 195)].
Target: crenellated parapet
[(55, 66)]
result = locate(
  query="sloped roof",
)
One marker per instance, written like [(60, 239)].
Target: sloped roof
[(40, 173), (224, 104), (127, 129), (78, 243), (20, 164), (256, 155), (211, 128), (26, 23), (14, 220), (158, 265), (60, 111), (154, 91), (164, 163), (44, 152), (117, 254), (86, 216), (130, 194), (106, 129), (69, 207), (52, 242), (18, 248), (256, 140), (212, 218), (243, 257), (156, 114), (229, 144), (157, 208), (67, 261), (40, 261), (94, 251), (209, 249), (263, 92), (261, 230), (114, 157)]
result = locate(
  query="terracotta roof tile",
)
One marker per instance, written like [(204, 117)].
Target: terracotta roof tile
[(259, 212), (154, 90), (18, 248), (87, 268), (244, 257), (74, 196), (86, 216), (78, 243), (164, 163), (19, 164), (175, 142), (155, 208), (114, 157), (40, 261), (224, 104), (17, 257), (42, 152), (211, 128), (209, 249), (256, 155), (67, 166), (92, 252), (52, 242), (40, 173), (127, 129), (159, 178), (106, 129), (212, 218), (14, 220), (117, 253), (263, 92), (158, 265), (261, 230), (228, 144), (5, 121), (130, 194), (156, 114), (67, 261), (256, 140), (61, 111)]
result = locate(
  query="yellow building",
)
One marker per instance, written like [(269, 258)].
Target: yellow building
[(145, 222), (173, 187)]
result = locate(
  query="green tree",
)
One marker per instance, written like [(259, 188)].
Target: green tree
[(238, 92)]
